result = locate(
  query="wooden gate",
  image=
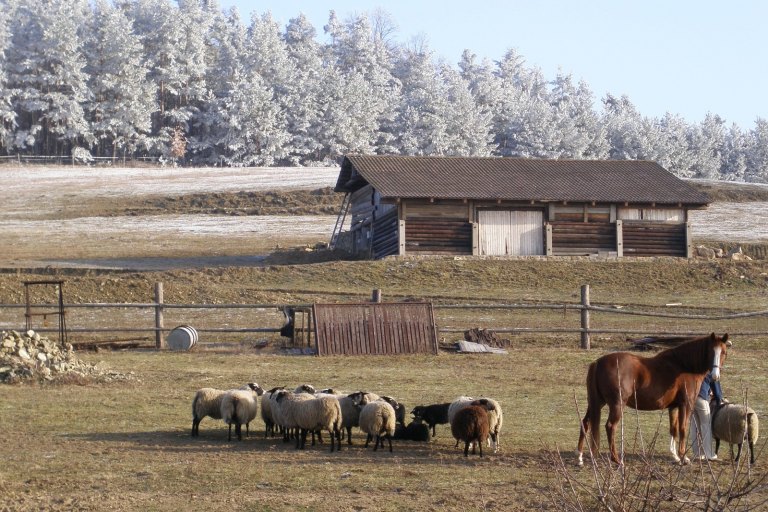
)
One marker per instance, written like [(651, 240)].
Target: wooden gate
[(375, 328)]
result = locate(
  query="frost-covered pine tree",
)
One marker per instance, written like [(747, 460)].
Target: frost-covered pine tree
[(121, 102), (304, 115), (705, 144), (359, 50), (468, 125), (174, 43), (757, 152), (45, 70), (225, 50), (734, 160), (422, 116), (7, 115), (252, 124), (630, 135), (672, 150), (578, 126)]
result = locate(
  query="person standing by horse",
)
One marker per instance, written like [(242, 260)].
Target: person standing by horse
[(701, 419)]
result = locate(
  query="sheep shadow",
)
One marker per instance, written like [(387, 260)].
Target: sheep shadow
[(436, 452)]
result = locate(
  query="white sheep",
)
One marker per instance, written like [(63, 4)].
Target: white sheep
[(315, 414), (458, 404), (239, 407), (207, 402), (305, 388), (733, 423), (266, 411), (283, 411), (378, 420)]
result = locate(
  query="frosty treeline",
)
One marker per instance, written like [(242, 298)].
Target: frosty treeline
[(191, 82)]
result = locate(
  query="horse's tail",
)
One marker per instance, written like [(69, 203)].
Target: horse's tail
[(591, 421), (594, 406)]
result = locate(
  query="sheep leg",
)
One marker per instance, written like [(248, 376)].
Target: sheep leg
[(738, 452), (480, 444), (433, 429), (349, 435), (389, 438), (247, 432), (301, 440), (751, 452), (466, 448), (376, 446), (239, 432), (195, 427), (717, 445), (368, 440)]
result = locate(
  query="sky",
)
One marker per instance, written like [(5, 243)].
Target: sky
[(686, 57)]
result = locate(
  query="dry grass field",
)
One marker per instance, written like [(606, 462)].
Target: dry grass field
[(82, 444)]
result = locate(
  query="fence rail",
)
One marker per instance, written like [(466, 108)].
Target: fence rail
[(584, 308)]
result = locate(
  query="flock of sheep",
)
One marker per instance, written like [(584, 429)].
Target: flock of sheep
[(297, 414)]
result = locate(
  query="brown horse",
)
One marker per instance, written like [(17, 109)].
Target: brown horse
[(668, 380)]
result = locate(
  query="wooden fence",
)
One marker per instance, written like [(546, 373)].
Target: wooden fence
[(584, 308)]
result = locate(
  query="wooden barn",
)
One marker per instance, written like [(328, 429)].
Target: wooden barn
[(402, 205)]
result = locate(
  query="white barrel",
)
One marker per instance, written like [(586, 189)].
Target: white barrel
[(182, 337)]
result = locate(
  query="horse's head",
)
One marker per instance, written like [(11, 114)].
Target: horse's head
[(719, 346)]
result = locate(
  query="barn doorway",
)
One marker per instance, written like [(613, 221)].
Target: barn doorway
[(510, 232)]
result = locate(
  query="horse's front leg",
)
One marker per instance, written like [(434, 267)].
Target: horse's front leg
[(684, 419)]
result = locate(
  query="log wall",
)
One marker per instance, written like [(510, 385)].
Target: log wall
[(385, 240), (425, 235), (582, 238), (654, 239)]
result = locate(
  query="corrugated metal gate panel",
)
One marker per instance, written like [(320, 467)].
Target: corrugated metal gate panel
[(375, 328), (511, 232)]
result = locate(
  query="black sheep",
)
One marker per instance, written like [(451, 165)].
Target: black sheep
[(432, 415), (414, 431)]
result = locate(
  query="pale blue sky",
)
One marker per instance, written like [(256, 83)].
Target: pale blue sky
[(687, 57)]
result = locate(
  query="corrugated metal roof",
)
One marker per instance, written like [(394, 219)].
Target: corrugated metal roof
[(634, 181)]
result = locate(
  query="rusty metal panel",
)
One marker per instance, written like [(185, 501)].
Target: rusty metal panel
[(375, 328)]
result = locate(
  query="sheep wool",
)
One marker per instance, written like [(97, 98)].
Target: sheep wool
[(733, 423), (207, 402), (266, 411), (470, 424), (378, 420), (322, 413), (239, 407)]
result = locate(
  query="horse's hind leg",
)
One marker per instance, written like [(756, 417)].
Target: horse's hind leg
[(584, 431), (614, 417), (674, 432)]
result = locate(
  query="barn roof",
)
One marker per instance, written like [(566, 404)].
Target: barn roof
[(633, 181)]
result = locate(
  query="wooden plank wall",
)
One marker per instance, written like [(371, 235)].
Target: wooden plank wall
[(375, 328), (385, 235), (654, 239), (582, 238), (428, 235)]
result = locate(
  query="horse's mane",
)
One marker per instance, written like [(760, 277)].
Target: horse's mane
[(691, 353)]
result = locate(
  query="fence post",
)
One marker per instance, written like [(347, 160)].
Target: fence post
[(376, 295), (158, 315), (585, 344)]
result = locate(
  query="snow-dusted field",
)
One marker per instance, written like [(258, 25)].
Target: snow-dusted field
[(29, 191), (33, 235), (731, 222)]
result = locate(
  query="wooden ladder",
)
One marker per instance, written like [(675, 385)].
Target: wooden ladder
[(340, 221)]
